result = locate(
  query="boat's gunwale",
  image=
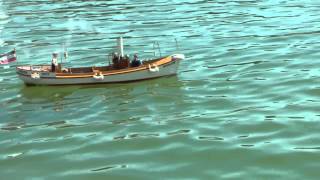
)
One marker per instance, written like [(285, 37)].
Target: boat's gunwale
[(159, 62)]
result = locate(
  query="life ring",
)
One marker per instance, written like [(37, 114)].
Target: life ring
[(153, 68), (35, 75), (98, 76)]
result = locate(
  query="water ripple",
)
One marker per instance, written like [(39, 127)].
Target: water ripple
[(244, 104)]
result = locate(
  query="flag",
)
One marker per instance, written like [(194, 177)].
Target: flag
[(8, 57)]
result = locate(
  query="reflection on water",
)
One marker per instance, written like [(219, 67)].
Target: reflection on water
[(51, 96), (46, 93), (62, 103)]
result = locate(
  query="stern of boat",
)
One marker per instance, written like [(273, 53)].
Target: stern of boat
[(34, 74)]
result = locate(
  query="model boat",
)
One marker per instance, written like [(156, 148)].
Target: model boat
[(122, 69)]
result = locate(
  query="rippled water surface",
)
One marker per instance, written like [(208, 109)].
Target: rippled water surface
[(244, 105)]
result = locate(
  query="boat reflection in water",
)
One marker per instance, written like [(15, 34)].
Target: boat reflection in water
[(51, 96)]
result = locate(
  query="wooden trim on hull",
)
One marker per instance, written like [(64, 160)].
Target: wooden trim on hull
[(68, 76)]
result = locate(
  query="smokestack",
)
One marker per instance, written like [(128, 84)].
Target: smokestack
[(120, 46)]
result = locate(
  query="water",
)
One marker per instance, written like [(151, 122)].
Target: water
[(244, 105)]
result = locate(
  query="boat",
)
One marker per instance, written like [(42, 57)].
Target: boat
[(120, 70), (9, 57)]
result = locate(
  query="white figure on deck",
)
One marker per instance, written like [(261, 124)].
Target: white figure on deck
[(54, 62)]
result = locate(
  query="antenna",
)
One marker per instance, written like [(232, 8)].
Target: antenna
[(65, 53), (61, 53), (177, 46), (154, 51), (159, 48), (109, 57)]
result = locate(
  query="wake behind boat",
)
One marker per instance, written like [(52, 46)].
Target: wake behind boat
[(122, 69)]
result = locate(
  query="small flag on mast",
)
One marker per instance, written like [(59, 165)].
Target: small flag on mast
[(8, 57)]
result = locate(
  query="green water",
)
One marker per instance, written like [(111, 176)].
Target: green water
[(244, 105)]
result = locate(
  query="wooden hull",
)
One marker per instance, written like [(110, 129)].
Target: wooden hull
[(165, 67)]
